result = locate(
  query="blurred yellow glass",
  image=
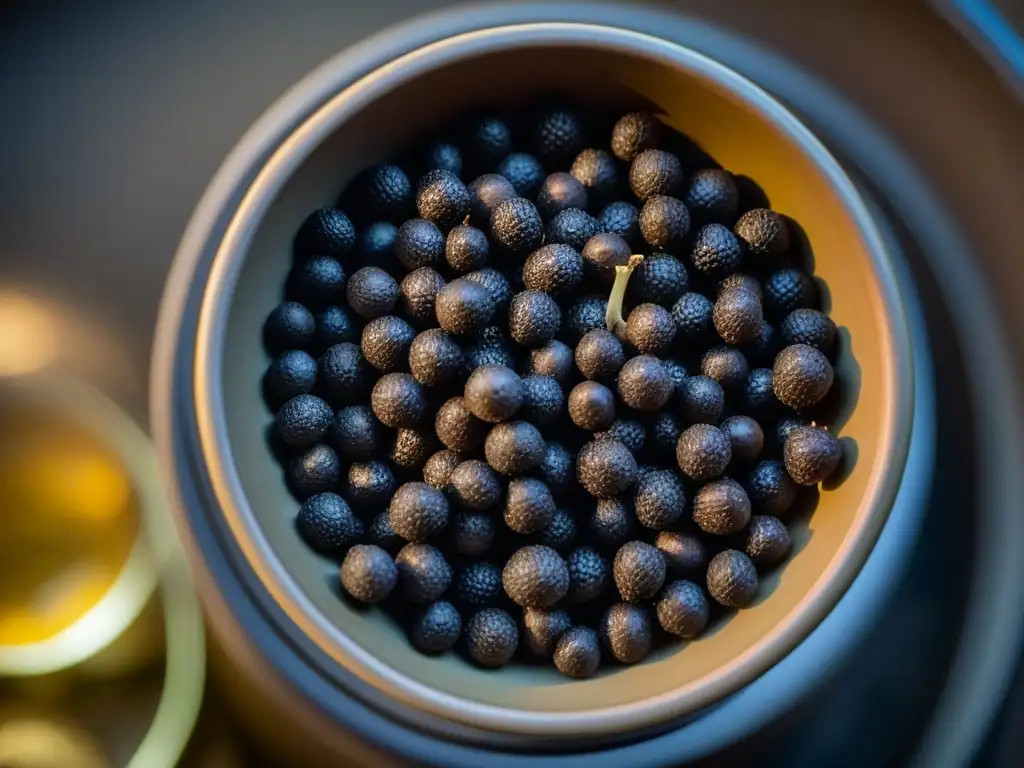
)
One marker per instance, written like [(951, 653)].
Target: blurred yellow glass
[(68, 521)]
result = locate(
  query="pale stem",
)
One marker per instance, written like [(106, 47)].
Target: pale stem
[(613, 314)]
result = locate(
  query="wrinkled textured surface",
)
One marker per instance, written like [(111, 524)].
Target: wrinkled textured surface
[(368, 573), (535, 577), (529, 506), (597, 171), (435, 358), (386, 342), (578, 653), (303, 420), (738, 316), (664, 221), (356, 433), (599, 355), (629, 432), (533, 318), (758, 396), (572, 227), (660, 278), (801, 377), (651, 330), (326, 524), (768, 541), (810, 327), (557, 135), (486, 193), (524, 172), (591, 406), (585, 314), (371, 292), (703, 452), (369, 485), (560, 533), (622, 219), (439, 467), (442, 198), (787, 290), (473, 533), (682, 609), (589, 575), (418, 511), (494, 393), (542, 629), (479, 586), (711, 196), (554, 359), (315, 470), (463, 306), (811, 454), (558, 192), (475, 485), (639, 571), (665, 431), (655, 172), (457, 428), (764, 232), (495, 284), (557, 468), (516, 226), (492, 637), (721, 508), (633, 133), (611, 523), (514, 447), (466, 249), (419, 243), (398, 400), (716, 252), (659, 499), (419, 291), (732, 579), (326, 231), (644, 383), (693, 314), (543, 400), (436, 629), (423, 573), (289, 326), (770, 488), (554, 268), (605, 468), (726, 365), (626, 632)]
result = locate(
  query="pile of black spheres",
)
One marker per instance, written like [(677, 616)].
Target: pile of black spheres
[(546, 392)]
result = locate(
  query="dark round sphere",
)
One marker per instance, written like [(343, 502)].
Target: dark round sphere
[(315, 470), (605, 468), (716, 253), (661, 279), (665, 431), (768, 541), (385, 343), (423, 573), (659, 499), (466, 249), (475, 485), (533, 318), (327, 525), (811, 455), (651, 330), (436, 628), (419, 243), (629, 432), (371, 292), (644, 383), (516, 227), (369, 485), (726, 365), (555, 269), (746, 437), (591, 406), (639, 571), (684, 553), (554, 359), (377, 243), (682, 609), (558, 469), (602, 253), (494, 393), (622, 219), (398, 401), (703, 452), (558, 192), (524, 172), (355, 433), (801, 377), (810, 327), (535, 577), (560, 533), (711, 196), (382, 193), (573, 227), (442, 198), (486, 140), (542, 630), (479, 586), (758, 396), (655, 172), (317, 282), (325, 232), (770, 488), (463, 307), (289, 325), (291, 374), (578, 653), (634, 133), (701, 400), (457, 428), (732, 579), (721, 508), (557, 135), (409, 449), (529, 506), (473, 533), (418, 511), (418, 296), (334, 325), (491, 638), (435, 359), (738, 316), (598, 173), (611, 523), (368, 573), (438, 470), (584, 314), (543, 400), (664, 222), (514, 447), (441, 155), (303, 421), (787, 290), (693, 314), (486, 193), (764, 232), (625, 630)]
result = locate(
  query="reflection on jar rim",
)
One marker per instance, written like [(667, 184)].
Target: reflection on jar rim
[(28, 338)]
